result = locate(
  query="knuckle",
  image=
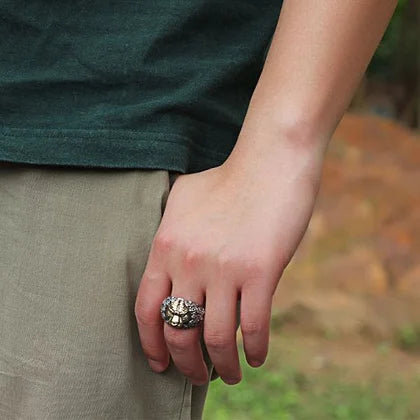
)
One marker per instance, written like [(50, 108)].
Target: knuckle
[(254, 267), (177, 342), (217, 341), (251, 328), (227, 262), (192, 257), (163, 242), (146, 316), (152, 352), (148, 276)]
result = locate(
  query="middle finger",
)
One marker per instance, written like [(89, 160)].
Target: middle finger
[(220, 325)]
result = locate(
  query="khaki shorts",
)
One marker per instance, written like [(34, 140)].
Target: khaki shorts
[(74, 243)]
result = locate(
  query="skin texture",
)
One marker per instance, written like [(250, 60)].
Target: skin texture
[(228, 233)]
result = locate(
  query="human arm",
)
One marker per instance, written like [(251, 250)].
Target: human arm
[(229, 232)]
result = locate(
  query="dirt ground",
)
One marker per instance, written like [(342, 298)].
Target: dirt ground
[(357, 359), (357, 271)]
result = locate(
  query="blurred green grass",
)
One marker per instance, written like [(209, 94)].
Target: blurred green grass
[(285, 392)]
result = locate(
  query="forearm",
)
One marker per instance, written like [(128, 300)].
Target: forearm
[(318, 55)]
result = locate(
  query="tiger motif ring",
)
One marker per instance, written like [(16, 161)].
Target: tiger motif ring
[(181, 313)]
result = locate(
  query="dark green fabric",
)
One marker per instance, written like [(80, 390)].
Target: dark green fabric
[(125, 83)]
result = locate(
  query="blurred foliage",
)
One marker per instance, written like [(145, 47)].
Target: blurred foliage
[(394, 71), (408, 337), (396, 56), (286, 393)]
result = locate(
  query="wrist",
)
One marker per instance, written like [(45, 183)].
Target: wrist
[(268, 160), (276, 145)]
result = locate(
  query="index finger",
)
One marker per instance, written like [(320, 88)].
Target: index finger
[(152, 291)]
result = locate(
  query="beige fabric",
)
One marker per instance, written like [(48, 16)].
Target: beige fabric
[(74, 244)]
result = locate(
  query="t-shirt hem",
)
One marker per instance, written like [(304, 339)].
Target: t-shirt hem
[(107, 148)]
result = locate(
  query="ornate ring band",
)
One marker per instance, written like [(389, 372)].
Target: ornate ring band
[(181, 313)]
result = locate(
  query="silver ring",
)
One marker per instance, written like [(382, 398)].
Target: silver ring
[(181, 313)]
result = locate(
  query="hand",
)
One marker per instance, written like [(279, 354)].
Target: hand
[(227, 233)]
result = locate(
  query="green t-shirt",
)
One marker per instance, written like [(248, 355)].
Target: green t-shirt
[(129, 83)]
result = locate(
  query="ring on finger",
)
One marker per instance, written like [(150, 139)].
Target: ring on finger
[(181, 313)]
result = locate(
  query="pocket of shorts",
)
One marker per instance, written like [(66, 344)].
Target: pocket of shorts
[(171, 177)]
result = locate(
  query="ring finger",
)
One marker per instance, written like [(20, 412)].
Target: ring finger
[(184, 344)]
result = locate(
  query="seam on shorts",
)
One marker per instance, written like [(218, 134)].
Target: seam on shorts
[(180, 417)]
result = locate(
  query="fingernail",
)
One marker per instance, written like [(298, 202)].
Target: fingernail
[(231, 381), (256, 363), (156, 366)]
